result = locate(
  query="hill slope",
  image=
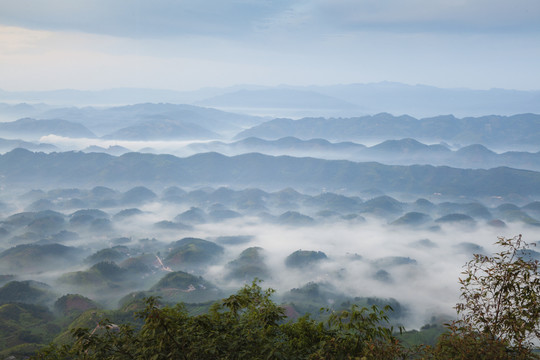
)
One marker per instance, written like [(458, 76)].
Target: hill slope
[(24, 168), (491, 130)]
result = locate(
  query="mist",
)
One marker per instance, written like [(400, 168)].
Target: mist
[(367, 255), (404, 151), (341, 152), (113, 203)]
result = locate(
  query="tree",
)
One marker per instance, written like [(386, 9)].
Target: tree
[(499, 315), (246, 325)]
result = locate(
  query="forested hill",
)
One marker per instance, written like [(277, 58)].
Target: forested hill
[(25, 168), (490, 130)]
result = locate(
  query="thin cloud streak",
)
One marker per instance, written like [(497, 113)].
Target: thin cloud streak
[(165, 18), (188, 45)]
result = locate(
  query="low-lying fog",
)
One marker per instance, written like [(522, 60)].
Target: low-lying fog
[(419, 266)]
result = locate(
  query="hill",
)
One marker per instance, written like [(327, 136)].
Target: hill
[(9, 144), (392, 152), (190, 253), (28, 292), (304, 258), (249, 265), (162, 129), (516, 130), (177, 287), (142, 116), (399, 98), (73, 304), (32, 128), (272, 100), (23, 168), (28, 258), (412, 219), (24, 328)]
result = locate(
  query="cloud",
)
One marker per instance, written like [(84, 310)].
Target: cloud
[(243, 18), (456, 16), (138, 18), (186, 45)]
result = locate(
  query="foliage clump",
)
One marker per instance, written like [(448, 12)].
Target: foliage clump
[(246, 325), (302, 258), (499, 315), (499, 319)]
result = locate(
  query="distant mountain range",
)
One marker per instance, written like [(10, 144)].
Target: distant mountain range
[(300, 101), (425, 101), (24, 168), (394, 152), (284, 146), (162, 130), (398, 152), (145, 121), (9, 144), (32, 128), (280, 101), (516, 130), (187, 122)]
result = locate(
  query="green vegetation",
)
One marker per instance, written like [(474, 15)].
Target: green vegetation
[(24, 328), (456, 218), (309, 299), (71, 304), (105, 282), (108, 254), (247, 325), (412, 219), (302, 258), (176, 287), (29, 258), (192, 252), (103, 274), (250, 264), (498, 318), (501, 300), (294, 218), (138, 265), (28, 292)]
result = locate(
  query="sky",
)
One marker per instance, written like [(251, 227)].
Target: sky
[(191, 44)]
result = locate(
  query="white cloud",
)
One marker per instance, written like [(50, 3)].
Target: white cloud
[(454, 16), (186, 45), (240, 18), (136, 18)]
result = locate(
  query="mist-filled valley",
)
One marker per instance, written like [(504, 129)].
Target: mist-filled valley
[(378, 247), (269, 180), (102, 207)]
